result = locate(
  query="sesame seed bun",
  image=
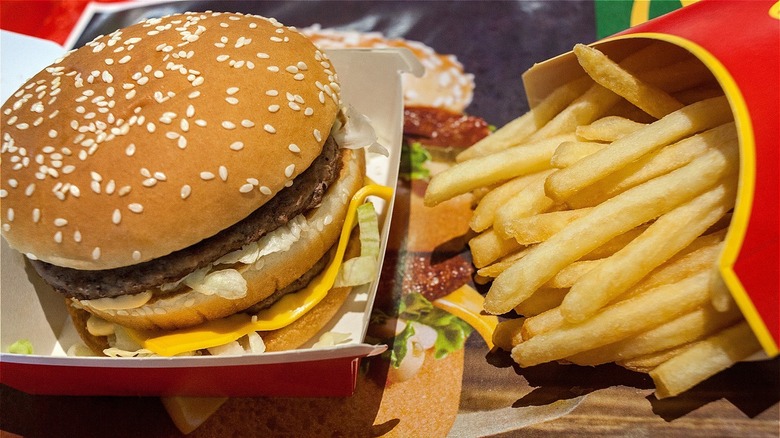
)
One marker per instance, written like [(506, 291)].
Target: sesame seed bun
[(444, 84), (152, 138)]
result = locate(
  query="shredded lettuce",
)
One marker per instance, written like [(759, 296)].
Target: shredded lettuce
[(363, 269), (22, 346)]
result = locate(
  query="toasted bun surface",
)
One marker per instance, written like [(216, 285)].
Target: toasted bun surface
[(444, 84), (276, 270), (147, 140)]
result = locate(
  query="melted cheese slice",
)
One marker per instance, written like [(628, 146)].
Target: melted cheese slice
[(284, 312), (466, 303)]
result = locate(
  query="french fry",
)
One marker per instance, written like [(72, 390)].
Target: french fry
[(607, 220), (541, 301), (597, 100), (491, 271), (720, 296), (570, 152), (610, 75), (507, 333), (568, 276), (608, 129), (529, 201), (614, 323), (542, 226), (648, 362), (488, 246), (688, 328), (485, 212), (652, 165), (491, 169), (518, 130), (677, 125), (544, 322), (704, 359), (669, 234)]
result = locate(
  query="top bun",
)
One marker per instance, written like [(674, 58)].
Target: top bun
[(154, 137), (444, 84)]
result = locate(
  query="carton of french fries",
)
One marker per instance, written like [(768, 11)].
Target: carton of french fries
[(631, 215)]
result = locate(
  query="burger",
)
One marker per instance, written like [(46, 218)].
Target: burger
[(179, 171)]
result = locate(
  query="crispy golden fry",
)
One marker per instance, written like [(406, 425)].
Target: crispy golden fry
[(529, 201), (607, 220), (652, 165), (610, 75), (614, 323), (507, 333), (615, 244), (491, 169), (691, 327), (488, 246), (568, 276), (541, 301), (570, 152), (544, 322), (607, 129), (668, 235), (491, 271), (485, 212), (704, 359), (542, 226), (648, 362), (518, 130), (720, 295), (677, 125)]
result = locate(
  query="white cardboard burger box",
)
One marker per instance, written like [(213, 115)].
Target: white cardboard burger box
[(371, 83)]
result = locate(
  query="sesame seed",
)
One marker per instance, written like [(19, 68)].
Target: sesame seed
[(246, 188), (289, 170), (77, 236), (135, 207), (96, 253), (246, 123), (130, 150), (36, 215), (272, 68), (237, 146), (181, 142), (231, 100), (269, 129), (200, 122), (317, 135), (197, 81), (185, 191), (206, 176), (60, 222), (232, 90), (116, 217), (294, 148), (228, 125), (308, 111), (58, 237), (223, 173), (222, 58), (273, 108), (265, 190)]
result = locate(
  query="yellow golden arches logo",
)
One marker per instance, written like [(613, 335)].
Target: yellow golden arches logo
[(774, 11), (640, 10)]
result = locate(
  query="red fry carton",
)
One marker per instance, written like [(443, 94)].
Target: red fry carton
[(739, 42)]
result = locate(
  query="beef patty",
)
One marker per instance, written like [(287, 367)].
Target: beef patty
[(305, 193)]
